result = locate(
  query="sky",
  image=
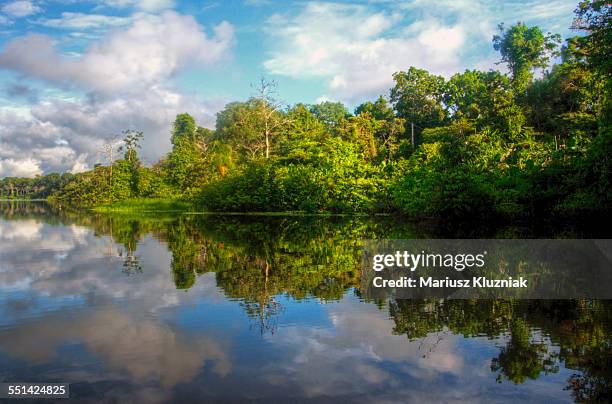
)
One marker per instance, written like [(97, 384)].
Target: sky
[(74, 74)]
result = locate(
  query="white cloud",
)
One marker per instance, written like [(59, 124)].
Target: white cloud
[(60, 135), (144, 5), (80, 165), (543, 12), (442, 39), (357, 50), (27, 167), (20, 8), (23, 230), (82, 21), (150, 50), (345, 359), (154, 5), (166, 356), (124, 75)]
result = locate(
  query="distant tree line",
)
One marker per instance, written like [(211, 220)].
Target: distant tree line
[(478, 143), (39, 187)]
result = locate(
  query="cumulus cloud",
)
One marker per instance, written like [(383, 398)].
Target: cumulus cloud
[(150, 50), (88, 264), (360, 356), (125, 77), (27, 167), (20, 8), (154, 5), (28, 230), (355, 48), (143, 349), (61, 135)]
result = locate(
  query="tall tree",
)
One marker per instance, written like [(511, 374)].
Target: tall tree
[(131, 144), (108, 150), (480, 97), (268, 111), (417, 97), (189, 146), (387, 129), (524, 49), (303, 134), (330, 113), (595, 18), (252, 126), (379, 109)]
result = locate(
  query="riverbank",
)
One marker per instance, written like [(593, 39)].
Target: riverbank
[(159, 205), (145, 205)]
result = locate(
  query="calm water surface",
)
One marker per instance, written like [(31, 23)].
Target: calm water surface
[(231, 308)]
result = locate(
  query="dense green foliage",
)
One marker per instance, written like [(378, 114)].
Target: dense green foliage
[(39, 187), (478, 143), (144, 205)]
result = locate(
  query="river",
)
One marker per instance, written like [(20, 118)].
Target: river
[(157, 308)]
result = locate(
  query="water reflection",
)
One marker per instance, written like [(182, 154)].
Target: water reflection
[(142, 348), (171, 308)]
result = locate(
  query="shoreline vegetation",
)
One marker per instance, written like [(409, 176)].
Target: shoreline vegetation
[(144, 205), (159, 205), (484, 145)]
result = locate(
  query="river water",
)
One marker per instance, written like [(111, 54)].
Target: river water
[(158, 308)]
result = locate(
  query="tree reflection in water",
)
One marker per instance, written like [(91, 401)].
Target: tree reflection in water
[(259, 261)]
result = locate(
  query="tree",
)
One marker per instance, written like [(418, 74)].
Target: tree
[(238, 126), (252, 126), (189, 148), (417, 97), (379, 109), (330, 113), (480, 97), (361, 130), (595, 17), (267, 109), (566, 101), (302, 135), (108, 150), (381, 121), (131, 144), (523, 49), (184, 129)]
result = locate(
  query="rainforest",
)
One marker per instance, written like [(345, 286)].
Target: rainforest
[(229, 267), (533, 139)]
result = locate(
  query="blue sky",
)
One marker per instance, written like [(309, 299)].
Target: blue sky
[(74, 73)]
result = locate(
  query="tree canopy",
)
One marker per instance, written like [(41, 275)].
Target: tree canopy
[(479, 142)]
